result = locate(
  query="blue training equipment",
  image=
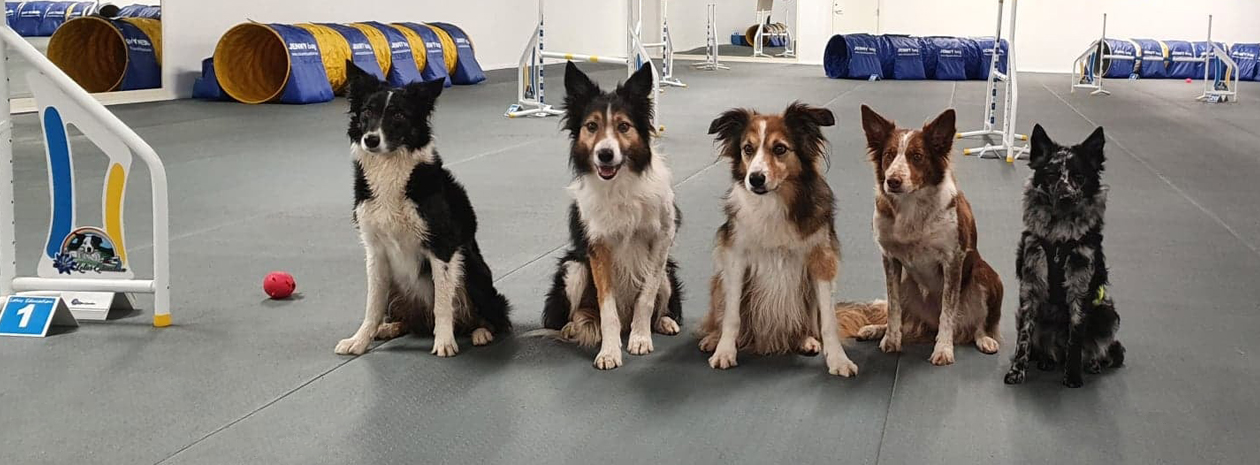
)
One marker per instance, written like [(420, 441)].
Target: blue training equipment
[(1153, 57), (853, 56), (980, 68), (1116, 68), (1203, 49), (1245, 56), (901, 57), (946, 58), (1181, 69), (361, 51), (434, 57), (403, 69), (467, 69), (29, 16), (207, 85)]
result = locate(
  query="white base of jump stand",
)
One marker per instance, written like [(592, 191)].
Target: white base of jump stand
[(91, 306), (1006, 136)]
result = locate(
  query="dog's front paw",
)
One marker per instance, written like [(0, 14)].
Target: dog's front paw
[(708, 343), (838, 364), (942, 356), (871, 332), (987, 345), (445, 346), (723, 359), (482, 336), (353, 346), (1073, 381), (608, 360), (809, 346), (1014, 377), (667, 326), (640, 344), (890, 344)]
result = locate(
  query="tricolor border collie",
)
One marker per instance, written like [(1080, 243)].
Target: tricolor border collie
[(425, 272), (936, 280), (777, 255), (1065, 314), (622, 224)]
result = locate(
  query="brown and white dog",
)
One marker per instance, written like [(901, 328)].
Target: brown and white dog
[(924, 226), (777, 256)]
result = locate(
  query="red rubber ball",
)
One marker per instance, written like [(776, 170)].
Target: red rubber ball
[(279, 285)]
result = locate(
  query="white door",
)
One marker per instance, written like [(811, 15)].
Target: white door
[(854, 16)]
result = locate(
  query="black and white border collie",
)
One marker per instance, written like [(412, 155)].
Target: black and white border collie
[(938, 285), (777, 256), (1065, 314), (622, 224), (425, 272)]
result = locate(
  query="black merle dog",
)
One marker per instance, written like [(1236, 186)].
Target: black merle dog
[(1065, 315), (424, 269)]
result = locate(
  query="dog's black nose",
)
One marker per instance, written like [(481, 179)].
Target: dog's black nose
[(757, 180), (372, 141), (893, 183), (605, 155)]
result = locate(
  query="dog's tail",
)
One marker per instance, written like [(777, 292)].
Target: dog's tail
[(582, 335), (852, 316)]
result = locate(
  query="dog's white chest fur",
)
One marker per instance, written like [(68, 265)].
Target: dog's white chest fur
[(627, 215), (923, 234), (389, 224), (775, 254)]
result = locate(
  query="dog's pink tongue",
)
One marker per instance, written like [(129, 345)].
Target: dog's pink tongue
[(607, 171)]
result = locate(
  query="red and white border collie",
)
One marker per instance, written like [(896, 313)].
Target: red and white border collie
[(777, 256), (937, 282)]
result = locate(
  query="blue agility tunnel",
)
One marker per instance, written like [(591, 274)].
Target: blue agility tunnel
[(257, 63), (901, 57), (140, 11), (403, 69), (1245, 56), (1181, 69), (103, 55), (207, 85), (1119, 68), (467, 70), (361, 51), (984, 46), (1203, 49), (54, 17), (10, 12), (1153, 59), (434, 56), (947, 58), (853, 56), (29, 16)]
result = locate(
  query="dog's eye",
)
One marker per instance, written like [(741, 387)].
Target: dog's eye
[(748, 149), (623, 127), (592, 127), (916, 156), (780, 149)]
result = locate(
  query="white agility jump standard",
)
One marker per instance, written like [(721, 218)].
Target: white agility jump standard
[(666, 44), (531, 88), (1087, 75), (80, 262), (764, 9), (1006, 133), (711, 62)]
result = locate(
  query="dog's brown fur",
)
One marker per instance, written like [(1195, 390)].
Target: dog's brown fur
[(779, 242), (927, 232)]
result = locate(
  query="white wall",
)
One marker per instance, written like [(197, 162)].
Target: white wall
[(1051, 33), (499, 28), (687, 19)]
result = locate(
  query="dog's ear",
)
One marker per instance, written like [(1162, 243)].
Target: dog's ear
[(1040, 147), (639, 86), (359, 85), (577, 86), (1092, 148), (728, 127), (799, 113), (939, 134), (422, 96), (877, 129)]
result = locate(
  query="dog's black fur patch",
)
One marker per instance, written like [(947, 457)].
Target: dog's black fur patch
[(440, 199), (1061, 266)]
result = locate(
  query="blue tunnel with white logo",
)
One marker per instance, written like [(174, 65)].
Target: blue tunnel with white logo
[(901, 57), (853, 56)]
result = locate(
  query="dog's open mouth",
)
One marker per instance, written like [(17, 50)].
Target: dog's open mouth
[(607, 172)]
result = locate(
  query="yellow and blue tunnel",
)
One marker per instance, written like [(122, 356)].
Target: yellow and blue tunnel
[(305, 63)]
